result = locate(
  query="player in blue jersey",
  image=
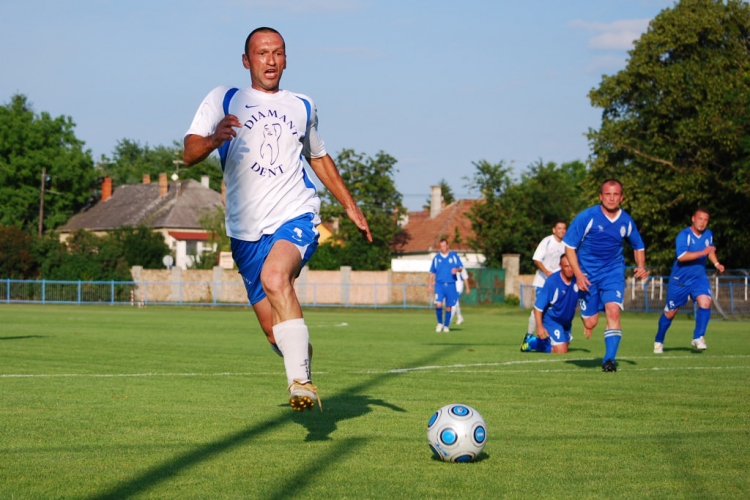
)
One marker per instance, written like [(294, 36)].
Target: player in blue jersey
[(445, 266), (695, 244), (554, 310), (594, 248), (263, 135)]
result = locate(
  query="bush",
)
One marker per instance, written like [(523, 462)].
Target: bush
[(512, 300)]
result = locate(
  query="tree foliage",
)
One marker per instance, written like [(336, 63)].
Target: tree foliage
[(445, 192), (370, 180), (131, 161), (676, 127), (32, 142), (514, 217)]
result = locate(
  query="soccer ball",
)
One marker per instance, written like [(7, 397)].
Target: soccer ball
[(456, 433)]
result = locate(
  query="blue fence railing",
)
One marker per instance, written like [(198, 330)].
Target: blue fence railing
[(731, 294)]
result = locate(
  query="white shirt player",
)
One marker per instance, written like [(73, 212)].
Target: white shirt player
[(548, 253), (264, 171), (460, 278)]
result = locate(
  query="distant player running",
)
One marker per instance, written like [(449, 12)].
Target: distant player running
[(688, 279), (554, 310), (547, 260), (462, 285), (594, 248), (262, 134), (445, 266)]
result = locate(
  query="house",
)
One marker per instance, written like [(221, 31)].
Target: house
[(171, 208), (424, 230)]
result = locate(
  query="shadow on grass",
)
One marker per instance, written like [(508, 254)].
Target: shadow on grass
[(597, 362), (481, 458), (349, 403), (21, 337), (682, 349)]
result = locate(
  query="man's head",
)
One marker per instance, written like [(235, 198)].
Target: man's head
[(610, 195), (565, 268), (559, 229), (265, 57), (443, 246), (700, 220)]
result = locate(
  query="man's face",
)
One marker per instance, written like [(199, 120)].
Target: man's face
[(443, 245), (565, 268), (700, 222), (266, 61), (611, 196), (559, 230)]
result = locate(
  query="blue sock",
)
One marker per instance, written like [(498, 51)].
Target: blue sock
[(547, 345), (611, 343), (701, 322), (534, 343), (439, 312), (447, 318), (664, 324)]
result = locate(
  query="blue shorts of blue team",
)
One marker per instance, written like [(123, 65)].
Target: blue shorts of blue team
[(251, 255), (558, 334), (611, 288), (446, 293), (678, 294)]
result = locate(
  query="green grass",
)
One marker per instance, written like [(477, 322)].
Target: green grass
[(120, 402)]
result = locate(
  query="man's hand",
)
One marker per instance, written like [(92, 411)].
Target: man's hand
[(542, 333), (640, 273), (225, 130), (197, 148), (582, 281), (358, 218)]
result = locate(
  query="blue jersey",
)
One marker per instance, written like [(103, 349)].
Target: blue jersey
[(598, 241), (687, 241), (442, 265), (557, 300)]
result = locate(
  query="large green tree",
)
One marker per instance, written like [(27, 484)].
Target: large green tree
[(513, 217), (130, 161), (33, 143), (370, 180), (676, 127)]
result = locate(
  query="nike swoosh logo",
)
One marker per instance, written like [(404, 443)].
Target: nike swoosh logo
[(248, 107)]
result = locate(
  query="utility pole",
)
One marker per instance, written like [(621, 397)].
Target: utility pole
[(41, 202)]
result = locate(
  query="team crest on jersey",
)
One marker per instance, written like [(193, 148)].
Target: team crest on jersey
[(623, 231), (575, 287)]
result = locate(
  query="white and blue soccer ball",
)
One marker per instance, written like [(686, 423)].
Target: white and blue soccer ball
[(456, 433)]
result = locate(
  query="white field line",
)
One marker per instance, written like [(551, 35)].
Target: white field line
[(456, 368)]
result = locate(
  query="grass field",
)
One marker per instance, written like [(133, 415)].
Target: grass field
[(121, 402)]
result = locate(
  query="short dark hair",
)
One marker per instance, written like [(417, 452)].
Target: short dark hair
[(611, 181), (262, 29), (442, 240), (701, 209), (559, 221)]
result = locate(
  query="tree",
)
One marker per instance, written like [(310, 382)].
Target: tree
[(370, 181), (514, 217), (131, 161), (676, 127), (16, 258), (29, 145)]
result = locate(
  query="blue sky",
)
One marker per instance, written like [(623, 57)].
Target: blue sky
[(435, 84)]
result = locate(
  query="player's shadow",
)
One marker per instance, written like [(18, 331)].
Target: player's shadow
[(21, 337), (682, 349), (578, 349), (349, 403), (596, 362), (320, 424)]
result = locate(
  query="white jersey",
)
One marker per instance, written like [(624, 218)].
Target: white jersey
[(548, 253), (460, 278), (264, 168)]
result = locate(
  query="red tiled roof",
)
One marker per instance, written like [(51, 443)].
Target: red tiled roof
[(424, 233), (184, 235)]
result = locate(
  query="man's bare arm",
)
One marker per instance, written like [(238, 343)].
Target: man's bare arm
[(197, 148)]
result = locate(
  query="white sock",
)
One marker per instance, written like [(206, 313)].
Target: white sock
[(292, 338), (456, 312), (532, 323)]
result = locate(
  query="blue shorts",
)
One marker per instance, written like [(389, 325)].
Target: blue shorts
[(610, 289), (678, 294), (446, 293), (558, 333), (251, 255)]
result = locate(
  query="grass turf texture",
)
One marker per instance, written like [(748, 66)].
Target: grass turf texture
[(120, 402)]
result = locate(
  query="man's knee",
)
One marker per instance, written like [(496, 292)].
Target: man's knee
[(275, 282), (704, 301)]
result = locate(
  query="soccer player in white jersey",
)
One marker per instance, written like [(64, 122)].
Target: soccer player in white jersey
[(443, 270), (462, 284), (594, 248), (547, 260), (695, 244), (262, 133)]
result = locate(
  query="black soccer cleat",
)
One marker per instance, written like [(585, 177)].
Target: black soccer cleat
[(609, 366)]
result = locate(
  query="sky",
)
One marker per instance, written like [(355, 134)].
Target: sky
[(436, 84)]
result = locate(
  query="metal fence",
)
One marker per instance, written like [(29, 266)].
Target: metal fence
[(730, 294)]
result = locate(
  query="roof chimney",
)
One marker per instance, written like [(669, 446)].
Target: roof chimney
[(106, 188), (146, 179), (163, 185), (204, 181), (436, 201)]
